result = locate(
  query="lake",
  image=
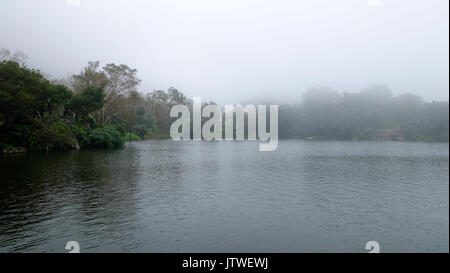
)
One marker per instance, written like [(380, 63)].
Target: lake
[(194, 196)]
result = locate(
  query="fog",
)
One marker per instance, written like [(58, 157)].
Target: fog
[(236, 50)]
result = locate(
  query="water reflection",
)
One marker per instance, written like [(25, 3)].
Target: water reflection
[(68, 192), (165, 196)]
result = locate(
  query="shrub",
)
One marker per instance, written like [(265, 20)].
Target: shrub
[(121, 129), (58, 136), (140, 130), (104, 138), (132, 137), (81, 134), (152, 132)]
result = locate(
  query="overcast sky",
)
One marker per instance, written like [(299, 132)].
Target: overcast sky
[(234, 50)]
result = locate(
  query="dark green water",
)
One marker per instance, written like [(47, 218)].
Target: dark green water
[(165, 196)]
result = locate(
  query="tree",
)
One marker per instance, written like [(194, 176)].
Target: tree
[(176, 97), (131, 116), (160, 107), (91, 75), (54, 96), (20, 90), (122, 80), (115, 80), (89, 100), (7, 55), (28, 104)]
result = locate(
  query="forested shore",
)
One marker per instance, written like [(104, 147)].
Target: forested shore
[(373, 114), (101, 107)]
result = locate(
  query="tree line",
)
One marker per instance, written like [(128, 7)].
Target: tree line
[(372, 114), (101, 107)]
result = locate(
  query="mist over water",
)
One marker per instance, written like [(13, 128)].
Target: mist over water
[(359, 89)]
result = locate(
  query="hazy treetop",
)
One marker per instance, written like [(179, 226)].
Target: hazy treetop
[(234, 50)]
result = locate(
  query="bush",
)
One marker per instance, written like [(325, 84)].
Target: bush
[(140, 130), (132, 137), (58, 136), (81, 134), (121, 129), (104, 138), (152, 132)]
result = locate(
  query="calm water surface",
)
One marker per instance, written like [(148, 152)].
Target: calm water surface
[(165, 196)]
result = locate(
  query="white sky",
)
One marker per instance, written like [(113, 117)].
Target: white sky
[(234, 50)]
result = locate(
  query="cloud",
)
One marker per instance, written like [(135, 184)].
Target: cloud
[(374, 2), (73, 3)]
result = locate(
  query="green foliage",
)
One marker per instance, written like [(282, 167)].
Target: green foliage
[(59, 136), (21, 92), (39, 115), (81, 134), (106, 137), (54, 96), (28, 103), (117, 79), (132, 137), (373, 114), (89, 100), (140, 130), (160, 137), (152, 132)]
